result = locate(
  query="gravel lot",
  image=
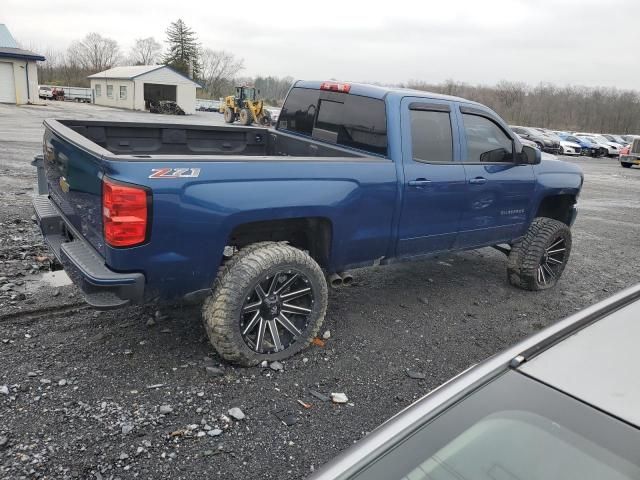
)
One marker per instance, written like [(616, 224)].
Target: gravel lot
[(124, 394)]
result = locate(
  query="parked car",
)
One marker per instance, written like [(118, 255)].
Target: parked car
[(275, 114), (612, 149), (529, 143), (631, 154), (563, 404), (587, 146), (45, 92), (616, 139), (543, 142), (254, 220), (570, 148), (57, 93)]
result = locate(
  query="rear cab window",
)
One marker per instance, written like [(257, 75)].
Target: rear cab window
[(343, 119)]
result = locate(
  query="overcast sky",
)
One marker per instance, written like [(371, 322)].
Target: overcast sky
[(585, 42)]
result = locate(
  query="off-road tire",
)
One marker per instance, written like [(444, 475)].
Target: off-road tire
[(625, 165), (265, 120), (246, 117), (229, 115), (237, 277), (527, 254)]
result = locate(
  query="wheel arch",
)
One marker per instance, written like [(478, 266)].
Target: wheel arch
[(312, 234), (558, 206)]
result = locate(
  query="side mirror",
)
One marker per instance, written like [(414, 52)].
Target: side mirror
[(529, 156)]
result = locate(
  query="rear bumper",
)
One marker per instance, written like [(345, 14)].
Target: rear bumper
[(103, 288), (631, 159)]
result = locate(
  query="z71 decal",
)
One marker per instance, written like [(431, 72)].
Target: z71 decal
[(174, 173)]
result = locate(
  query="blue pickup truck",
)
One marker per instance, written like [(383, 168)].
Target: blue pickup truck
[(255, 220)]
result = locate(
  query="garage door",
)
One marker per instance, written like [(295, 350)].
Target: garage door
[(7, 86)]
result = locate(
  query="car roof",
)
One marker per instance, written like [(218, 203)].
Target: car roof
[(379, 91), (597, 364)]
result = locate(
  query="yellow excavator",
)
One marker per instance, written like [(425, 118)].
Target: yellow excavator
[(245, 107)]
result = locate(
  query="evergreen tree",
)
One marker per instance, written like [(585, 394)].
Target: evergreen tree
[(183, 50)]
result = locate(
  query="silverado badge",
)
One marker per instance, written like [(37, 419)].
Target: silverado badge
[(174, 173)]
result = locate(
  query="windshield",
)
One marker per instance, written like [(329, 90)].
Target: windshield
[(515, 429)]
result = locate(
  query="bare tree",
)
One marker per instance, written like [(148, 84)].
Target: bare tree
[(219, 69), (145, 51), (95, 52)]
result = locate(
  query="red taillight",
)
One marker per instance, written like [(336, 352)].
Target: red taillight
[(124, 214), (335, 87)]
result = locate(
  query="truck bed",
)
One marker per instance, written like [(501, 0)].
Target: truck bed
[(143, 140)]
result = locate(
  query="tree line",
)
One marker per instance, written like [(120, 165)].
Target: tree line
[(573, 108), (599, 109), (215, 70)]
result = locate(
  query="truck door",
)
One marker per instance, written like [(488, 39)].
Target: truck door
[(434, 179), (499, 191)]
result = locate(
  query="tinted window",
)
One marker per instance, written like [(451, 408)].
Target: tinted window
[(346, 119), (514, 428), (431, 138), (486, 141), (299, 111)]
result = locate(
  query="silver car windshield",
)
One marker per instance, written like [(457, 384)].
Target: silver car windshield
[(515, 428)]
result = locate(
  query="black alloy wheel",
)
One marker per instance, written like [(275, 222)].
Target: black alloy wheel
[(277, 311), (552, 262)]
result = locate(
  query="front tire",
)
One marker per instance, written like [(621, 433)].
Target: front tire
[(229, 115), (246, 117), (625, 165), (537, 261), (268, 303)]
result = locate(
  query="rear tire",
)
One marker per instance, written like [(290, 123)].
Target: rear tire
[(537, 261), (246, 117), (625, 165), (265, 287), (229, 115)]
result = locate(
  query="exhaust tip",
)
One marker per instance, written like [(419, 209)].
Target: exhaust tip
[(347, 279), (335, 280)]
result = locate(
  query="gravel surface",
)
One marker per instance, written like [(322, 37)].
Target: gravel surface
[(135, 394)]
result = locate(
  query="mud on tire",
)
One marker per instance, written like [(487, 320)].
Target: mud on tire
[(537, 261), (268, 303)]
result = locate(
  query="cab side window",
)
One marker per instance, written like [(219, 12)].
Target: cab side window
[(486, 141), (431, 137)]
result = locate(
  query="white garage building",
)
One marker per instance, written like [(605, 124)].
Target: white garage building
[(18, 71), (134, 87)]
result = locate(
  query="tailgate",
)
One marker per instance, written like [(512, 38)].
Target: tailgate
[(74, 180)]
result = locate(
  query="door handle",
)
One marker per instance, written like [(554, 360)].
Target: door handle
[(478, 181), (419, 182)]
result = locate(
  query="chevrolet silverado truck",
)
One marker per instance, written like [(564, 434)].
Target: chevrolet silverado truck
[(255, 220)]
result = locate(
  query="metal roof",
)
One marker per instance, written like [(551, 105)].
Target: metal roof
[(9, 46), (133, 71), (20, 53), (6, 39), (597, 364), (127, 72)]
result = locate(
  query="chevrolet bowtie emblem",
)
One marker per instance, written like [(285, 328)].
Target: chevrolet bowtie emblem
[(64, 185)]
